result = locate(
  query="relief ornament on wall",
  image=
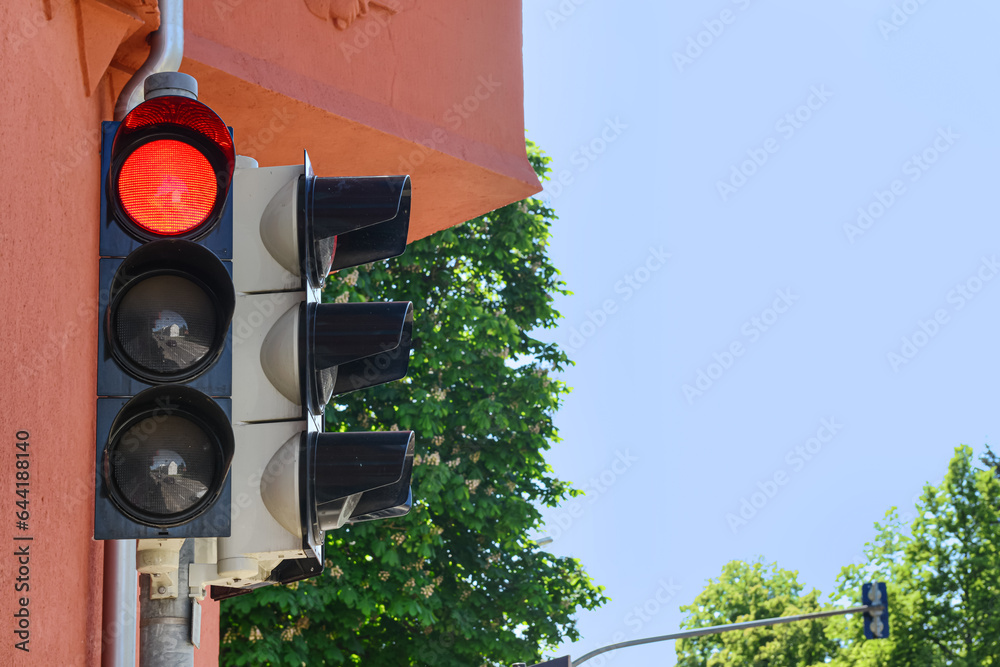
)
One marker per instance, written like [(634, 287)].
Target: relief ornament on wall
[(345, 12)]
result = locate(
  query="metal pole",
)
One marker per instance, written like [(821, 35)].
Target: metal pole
[(165, 625), (165, 55), (715, 629), (120, 589)]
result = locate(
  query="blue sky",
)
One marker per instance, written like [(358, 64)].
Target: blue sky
[(778, 222)]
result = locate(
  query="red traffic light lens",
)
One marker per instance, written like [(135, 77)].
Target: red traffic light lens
[(172, 162), (167, 187)]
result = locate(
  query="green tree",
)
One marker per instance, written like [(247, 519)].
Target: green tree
[(941, 571), (942, 575), (456, 581), (748, 592), (991, 461)]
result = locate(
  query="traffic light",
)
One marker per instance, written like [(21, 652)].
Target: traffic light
[(165, 442), (876, 622), (291, 354), (563, 661)]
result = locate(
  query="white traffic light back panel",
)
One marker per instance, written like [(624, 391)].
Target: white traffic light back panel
[(257, 537), (258, 542), (255, 398), (254, 268)]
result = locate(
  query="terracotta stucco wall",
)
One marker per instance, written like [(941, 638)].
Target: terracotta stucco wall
[(49, 135), (430, 88), (433, 89)]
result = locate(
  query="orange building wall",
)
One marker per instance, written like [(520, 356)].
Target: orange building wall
[(48, 241), (431, 88), (284, 75)]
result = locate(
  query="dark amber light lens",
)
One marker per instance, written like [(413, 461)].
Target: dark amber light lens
[(163, 466), (167, 187), (166, 325)]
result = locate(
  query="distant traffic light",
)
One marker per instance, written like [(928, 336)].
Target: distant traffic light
[(291, 354), (563, 661), (164, 438), (876, 622)]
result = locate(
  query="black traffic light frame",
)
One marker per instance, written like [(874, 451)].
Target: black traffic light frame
[(111, 523), (117, 384), (117, 241)]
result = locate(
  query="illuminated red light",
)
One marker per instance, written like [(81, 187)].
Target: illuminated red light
[(167, 187)]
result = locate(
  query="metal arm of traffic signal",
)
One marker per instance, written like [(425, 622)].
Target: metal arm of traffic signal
[(731, 627)]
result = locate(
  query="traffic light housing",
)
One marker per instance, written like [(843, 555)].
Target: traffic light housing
[(876, 622), (217, 356), (291, 354), (164, 441)]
